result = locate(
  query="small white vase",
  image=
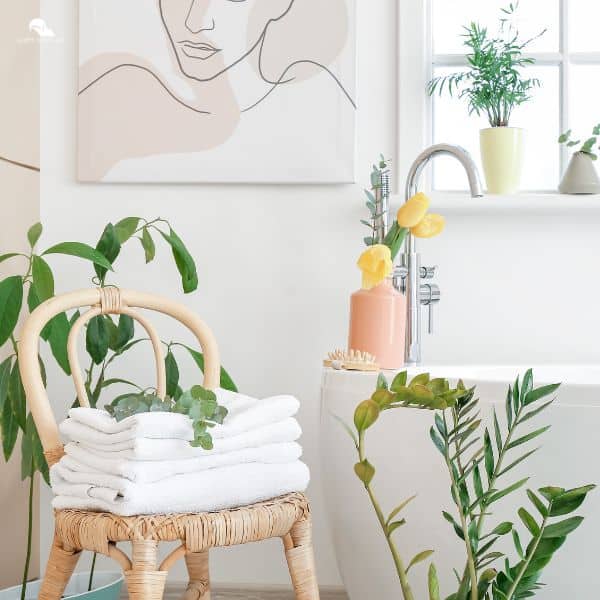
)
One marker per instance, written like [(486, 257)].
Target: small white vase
[(502, 157), (581, 176)]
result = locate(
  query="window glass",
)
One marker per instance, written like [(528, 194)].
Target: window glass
[(539, 117), (584, 112), (449, 18), (584, 16)]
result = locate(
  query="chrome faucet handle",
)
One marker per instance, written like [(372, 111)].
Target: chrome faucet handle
[(430, 296), (399, 275), (428, 272)]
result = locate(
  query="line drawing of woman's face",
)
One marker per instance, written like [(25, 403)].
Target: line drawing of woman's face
[(211, 36)]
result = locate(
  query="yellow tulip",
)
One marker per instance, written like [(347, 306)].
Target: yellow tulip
[(376, 264), (430, 226), (411, 213)]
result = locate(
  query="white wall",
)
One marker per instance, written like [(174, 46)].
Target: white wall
[(276, 265)]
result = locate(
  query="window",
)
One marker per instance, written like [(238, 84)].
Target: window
[(567, 65)]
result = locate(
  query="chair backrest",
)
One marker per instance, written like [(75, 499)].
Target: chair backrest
[(102, 301)]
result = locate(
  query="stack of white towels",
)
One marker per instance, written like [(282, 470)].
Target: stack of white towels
[(146, 465)]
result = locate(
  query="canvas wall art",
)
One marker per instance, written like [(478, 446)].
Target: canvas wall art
[(217, 91)]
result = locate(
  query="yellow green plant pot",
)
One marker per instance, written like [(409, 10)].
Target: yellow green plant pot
[(502, 157)]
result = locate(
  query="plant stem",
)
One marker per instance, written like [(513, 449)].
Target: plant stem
[(528, 559), (465, 528), (404, 584), (29, 531), (93, 568)]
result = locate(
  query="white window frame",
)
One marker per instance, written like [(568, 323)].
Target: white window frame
[(415, 68)]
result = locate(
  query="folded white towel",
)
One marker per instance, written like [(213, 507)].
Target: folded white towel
[(98, 427), (210, 490), (85, 466), (287, 430)]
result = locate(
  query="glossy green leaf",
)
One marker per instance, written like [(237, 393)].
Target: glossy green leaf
[(365, 415), (438, 442), (562, 528), (511, 488), (11, 299), (148, 245), (488, 454), (9, 255), (391, 527), (27, 462), (570, 500), (382, 383), (16, 396), (80, 250), (32, 303), (400, 507), (517, 543), (399, 381), (455, 525), (5, 369), (227, 382), (433, 583), (59, 334), (109, 246), (96, 339), (125, 228), (529, 522), (540, 392), (10, 430), (518, 461), (502, 529), (172, 373), (551, 492), (43, 280), (418, 558), (125, 331), (421, 379), (536, 501), (183, 260), (365, 471), (497, 433), (526, 438), (33, 234)]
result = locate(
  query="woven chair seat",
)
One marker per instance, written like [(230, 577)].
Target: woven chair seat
[(197, 531)]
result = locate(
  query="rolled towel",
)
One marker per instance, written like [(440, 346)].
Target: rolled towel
[(80, 465), (215, 489), (287, 430)]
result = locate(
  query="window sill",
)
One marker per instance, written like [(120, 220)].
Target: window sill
[(543, 204)]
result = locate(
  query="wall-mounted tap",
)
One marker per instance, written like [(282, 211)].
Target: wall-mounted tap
[(408, 275)]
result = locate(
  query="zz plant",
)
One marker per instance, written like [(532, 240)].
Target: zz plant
[(107, 340), (477, 458)]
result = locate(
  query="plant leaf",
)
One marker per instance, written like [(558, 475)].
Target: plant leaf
[(541, 392), (59, 333), (11, 300), (183, 260), (43, 280), (433, 583), (528, 437), (97, 339), (562, 528), (511, 488), (400, 507), (535, 500), (80, 250), (33, 234), (148, 245), (172, 372), (529, 521), (420, 557), (126, 227), (10, 430), (365, 471), (16, 396), (109, 246), (227, 382)]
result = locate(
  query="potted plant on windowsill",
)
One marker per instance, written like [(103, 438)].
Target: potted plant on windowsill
[(581, 176), (494, 85), (106, 342)]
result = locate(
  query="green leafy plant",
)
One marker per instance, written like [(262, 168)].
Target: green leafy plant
[(477, 459), (493, 84), (107, 339), (198, 403), (587, 147)]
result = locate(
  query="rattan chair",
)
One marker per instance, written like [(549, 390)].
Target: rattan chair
[(287, 517)]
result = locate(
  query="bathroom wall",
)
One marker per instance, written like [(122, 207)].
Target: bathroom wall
[(19, 207), (276, 266)]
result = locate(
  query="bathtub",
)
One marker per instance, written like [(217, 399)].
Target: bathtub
[(399, 447)]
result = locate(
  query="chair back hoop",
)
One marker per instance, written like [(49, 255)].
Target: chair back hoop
[(102, 301)]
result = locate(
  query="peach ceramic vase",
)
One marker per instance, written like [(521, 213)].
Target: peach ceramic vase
[(378, 324)]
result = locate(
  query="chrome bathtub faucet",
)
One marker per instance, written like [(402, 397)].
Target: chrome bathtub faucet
[(408, 274)]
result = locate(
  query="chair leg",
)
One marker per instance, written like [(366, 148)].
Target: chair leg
[(301, 561), (144, 581), (199, 585), (60, 567)]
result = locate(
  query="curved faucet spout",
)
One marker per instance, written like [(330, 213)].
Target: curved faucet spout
[(465, 159)]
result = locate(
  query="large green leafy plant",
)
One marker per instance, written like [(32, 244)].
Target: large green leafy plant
[(107, 339), (477, 459), (494, 83)]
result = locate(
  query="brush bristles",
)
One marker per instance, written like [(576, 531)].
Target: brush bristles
[(355, 360)]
